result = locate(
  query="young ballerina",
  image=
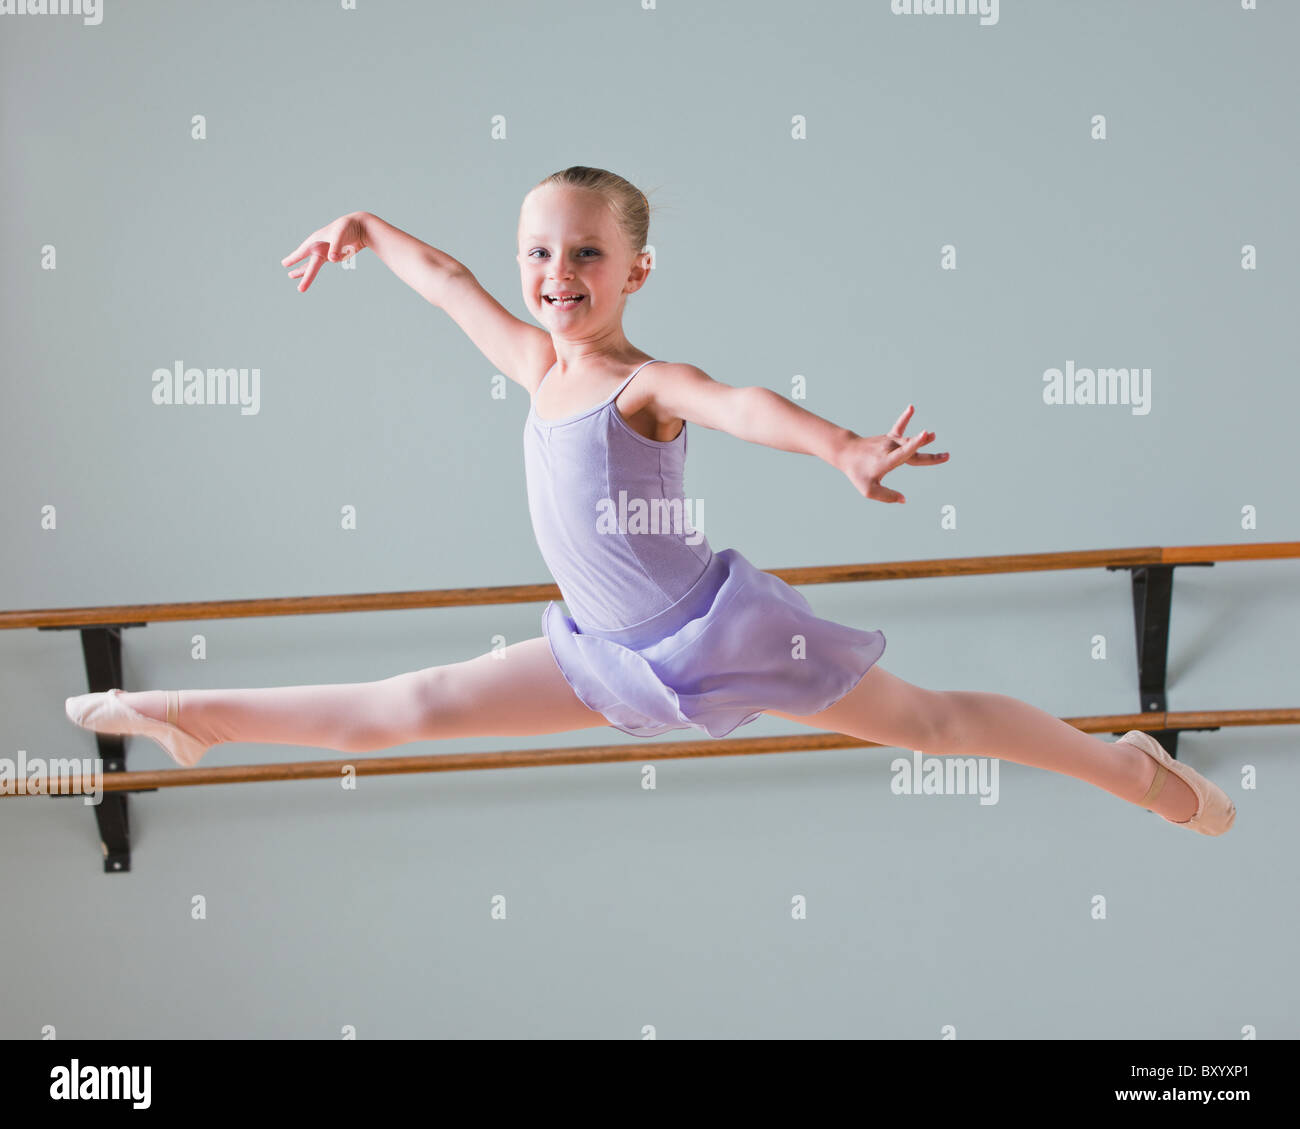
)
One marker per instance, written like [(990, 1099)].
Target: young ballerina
[(662, 633)]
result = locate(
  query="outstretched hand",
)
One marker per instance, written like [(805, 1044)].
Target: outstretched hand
[(332, 243), (868, 458)]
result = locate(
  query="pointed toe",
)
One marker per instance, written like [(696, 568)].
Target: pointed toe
[(106, 713), (1215, 812)]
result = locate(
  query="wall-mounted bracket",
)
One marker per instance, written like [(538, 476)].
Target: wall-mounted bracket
[(101, 647), (1153, 589)]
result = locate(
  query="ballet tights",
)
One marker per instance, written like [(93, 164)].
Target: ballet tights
[(367, 716), (357, 717), (516, 691)]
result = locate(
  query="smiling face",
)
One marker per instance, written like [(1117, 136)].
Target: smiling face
[(570, 244)]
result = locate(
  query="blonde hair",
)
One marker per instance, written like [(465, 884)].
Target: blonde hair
[(628, 203)]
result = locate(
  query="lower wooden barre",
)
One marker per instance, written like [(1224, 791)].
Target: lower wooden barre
[(368, 765)]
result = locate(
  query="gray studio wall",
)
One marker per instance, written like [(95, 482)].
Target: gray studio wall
[(776, 257)]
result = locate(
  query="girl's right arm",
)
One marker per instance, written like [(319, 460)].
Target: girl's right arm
[(517, 349)]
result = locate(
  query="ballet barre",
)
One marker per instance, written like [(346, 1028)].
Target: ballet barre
[(368, 765), (1151, 569), (136, 615)]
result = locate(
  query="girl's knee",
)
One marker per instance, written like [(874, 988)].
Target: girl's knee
[(943, 722), (910, 716), (889, 711)]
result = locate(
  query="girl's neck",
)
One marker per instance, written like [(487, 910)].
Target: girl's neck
[(593, 356)]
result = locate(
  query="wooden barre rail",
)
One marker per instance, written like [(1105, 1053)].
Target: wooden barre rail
[(368, 765), (535, 593)]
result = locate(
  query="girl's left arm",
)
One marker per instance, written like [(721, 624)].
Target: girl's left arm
[(760, 415), (754, 414)]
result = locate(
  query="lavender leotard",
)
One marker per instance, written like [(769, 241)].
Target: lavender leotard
[(664, 633)]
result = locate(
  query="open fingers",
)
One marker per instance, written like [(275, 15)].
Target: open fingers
[(312, 270), (897, 430), (300, 253), (878, 491), (309, 246), (907, 450)]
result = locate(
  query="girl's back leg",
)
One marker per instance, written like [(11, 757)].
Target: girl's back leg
[(516, 691), (886, 709)]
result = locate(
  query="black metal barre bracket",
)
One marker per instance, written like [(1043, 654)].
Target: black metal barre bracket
[(101, 646), (1153, 590)]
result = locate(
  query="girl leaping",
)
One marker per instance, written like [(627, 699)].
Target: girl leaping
[(661, 632)]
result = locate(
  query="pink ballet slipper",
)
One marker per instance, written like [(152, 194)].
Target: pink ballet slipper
[(1215, 813), (106, 713)]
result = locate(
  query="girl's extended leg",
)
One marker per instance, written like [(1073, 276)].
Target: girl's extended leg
[(887, 710), (517, 691)]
